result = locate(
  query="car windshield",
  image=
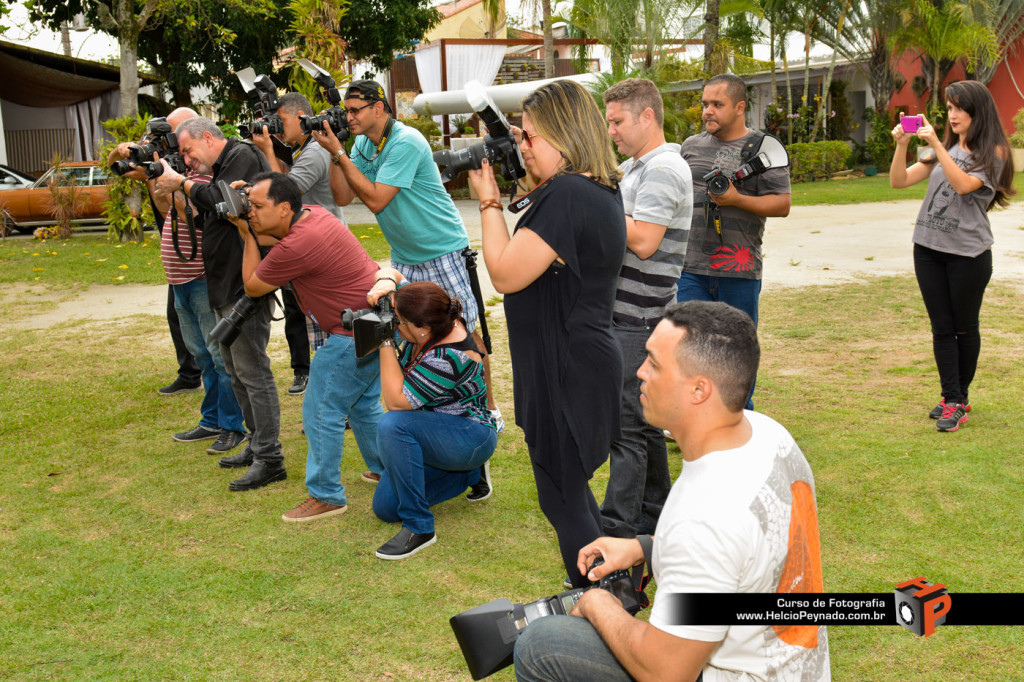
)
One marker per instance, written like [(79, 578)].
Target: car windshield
[(79, 173)]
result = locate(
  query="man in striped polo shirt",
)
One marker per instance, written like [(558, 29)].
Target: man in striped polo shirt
[(657, 193), (221, 419)]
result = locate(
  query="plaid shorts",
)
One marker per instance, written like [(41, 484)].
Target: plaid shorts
[(449, 272), (317, 336)]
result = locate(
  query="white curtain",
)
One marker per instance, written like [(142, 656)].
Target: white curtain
[(463, 63), (84, 118)]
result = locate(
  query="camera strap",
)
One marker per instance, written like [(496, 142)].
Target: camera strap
[(191, 230), (530, 197), (474, 283), (384, 137), (712, 219)]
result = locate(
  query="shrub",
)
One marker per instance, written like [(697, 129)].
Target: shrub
[(816, 160), (127, 211), (427, 127), (1017, 139), (66, 201)]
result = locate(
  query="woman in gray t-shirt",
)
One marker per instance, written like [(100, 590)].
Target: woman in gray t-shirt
[(968, 172)]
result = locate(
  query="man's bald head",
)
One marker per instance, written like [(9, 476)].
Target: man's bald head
[(180, 114)]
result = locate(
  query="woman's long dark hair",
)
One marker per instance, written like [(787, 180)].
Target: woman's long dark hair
[(425, 304), (986, 137)]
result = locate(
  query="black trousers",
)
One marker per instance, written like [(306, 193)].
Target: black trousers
[(295, 333), (953, 288), (188, 370), (572, 511)]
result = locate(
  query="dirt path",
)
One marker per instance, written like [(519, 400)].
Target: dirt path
[(814, 245)]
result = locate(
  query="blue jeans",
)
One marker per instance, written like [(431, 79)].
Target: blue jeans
[(565, 648), (252, 380), (340, 385), (639, 479), (739, 293), (196, 318), (429, 457)]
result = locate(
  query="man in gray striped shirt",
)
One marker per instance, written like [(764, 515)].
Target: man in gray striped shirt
[(657, 193)]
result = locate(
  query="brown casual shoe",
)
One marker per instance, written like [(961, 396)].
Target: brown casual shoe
[(312, 509), (370, 477)]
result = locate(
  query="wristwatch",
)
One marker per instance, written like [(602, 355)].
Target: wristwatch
[(388, 343), (336, 156)]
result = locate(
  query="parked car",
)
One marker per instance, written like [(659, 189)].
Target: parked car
[(29, 207), (11, 178)]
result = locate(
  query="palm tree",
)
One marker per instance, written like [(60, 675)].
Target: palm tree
[(944, 34), (532, 7), (1006, 19)]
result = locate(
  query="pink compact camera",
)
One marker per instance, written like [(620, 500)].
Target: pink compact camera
[(911, 124)]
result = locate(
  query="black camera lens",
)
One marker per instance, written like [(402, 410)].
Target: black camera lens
[(717, 182)]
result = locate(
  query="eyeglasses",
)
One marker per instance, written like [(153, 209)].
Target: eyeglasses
[(526, 138), (355, 110)]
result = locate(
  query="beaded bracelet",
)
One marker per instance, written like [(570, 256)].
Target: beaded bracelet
[(491, 203)]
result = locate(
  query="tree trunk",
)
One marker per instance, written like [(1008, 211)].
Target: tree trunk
[(789, 96), (819, 118), (128, 36), (549, 41), (712, 23)]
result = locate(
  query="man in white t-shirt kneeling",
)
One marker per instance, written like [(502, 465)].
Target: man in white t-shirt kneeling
[(741, 518)]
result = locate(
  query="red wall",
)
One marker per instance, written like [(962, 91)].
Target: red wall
[(1008, 100)]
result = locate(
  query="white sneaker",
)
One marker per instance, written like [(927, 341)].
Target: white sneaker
[(498, 419)]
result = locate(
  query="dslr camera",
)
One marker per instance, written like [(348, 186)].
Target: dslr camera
[(159, 139), (234, 202), (487, 634), (262, 95), (757, 156), (335, 116), (227, 330), (370, 326), (499, 146)]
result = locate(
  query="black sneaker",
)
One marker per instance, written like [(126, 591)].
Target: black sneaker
[(226, 442), (953, 415), (259, 474), (481, 490), (937, 410), (196, 434), (298, 386), (242, 459), (405, 544), (179, 385)]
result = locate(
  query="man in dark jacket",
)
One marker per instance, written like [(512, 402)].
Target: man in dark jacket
[(205, 149)]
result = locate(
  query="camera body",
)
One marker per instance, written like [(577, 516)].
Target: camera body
[(487, 634), (335, 116), (761, 152), (263, 98), (717, 182), (911, 124), (234, 202), (159, 139), (227, 330), (370, 326), (498, 147)]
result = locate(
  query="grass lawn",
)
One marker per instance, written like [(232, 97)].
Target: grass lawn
[(98, 259), (864, 189), (125, 556)]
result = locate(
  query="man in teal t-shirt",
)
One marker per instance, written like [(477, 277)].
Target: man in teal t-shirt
[(392, 171)]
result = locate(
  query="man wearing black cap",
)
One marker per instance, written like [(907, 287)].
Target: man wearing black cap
[(392, 171)]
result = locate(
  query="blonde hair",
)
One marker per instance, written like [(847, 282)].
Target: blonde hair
[(566, 115)]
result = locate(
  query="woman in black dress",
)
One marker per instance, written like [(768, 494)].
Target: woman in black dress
[(558, 272)]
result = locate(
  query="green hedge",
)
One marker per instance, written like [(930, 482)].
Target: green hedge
[(810, 161)]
